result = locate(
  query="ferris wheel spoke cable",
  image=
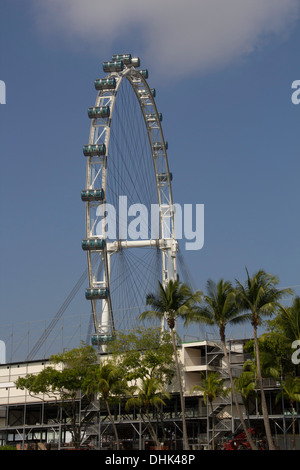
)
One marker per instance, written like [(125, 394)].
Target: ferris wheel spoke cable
[(128, 185), (133, 152), (57, 317), (135, 283)]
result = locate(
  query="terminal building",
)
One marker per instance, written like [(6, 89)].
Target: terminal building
[(28, 422)]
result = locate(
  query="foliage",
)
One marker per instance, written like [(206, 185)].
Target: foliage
[(212, 386), (62, 383), (290, 390), (144, 352), (286, 324), (219, 307), (108, 382), (149, 395), (106, 379), (175, 300), (259, 296)]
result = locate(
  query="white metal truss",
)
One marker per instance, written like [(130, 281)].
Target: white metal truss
[(96, 178)]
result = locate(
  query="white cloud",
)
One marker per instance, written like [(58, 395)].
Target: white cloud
[(178, 37)]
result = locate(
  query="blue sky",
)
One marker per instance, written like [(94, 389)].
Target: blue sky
[(223, 79)]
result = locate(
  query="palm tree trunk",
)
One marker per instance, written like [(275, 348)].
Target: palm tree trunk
[(263, 398), (113, 424), (213, 425), (185, 437), (152, 431), (293, 424), (248, 434)]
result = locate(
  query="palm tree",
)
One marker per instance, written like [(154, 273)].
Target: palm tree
[(176, 300), (149, 395), (291, 391), (288, 320), (107, 379), (245, 384), (212, 387), (220, 308), (260, 297)]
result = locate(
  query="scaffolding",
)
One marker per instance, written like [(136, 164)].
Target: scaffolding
[(28, 422)]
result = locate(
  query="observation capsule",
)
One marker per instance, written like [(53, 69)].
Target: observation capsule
[(144, 73), (101, 293), (135, 61), (92, 194), (105, 83), (125, 58), (152, 117), (113, 66), (95, 112), (159, 146), (91, 150), (144, 93), (93, 244), (163, 177), (101, 339)]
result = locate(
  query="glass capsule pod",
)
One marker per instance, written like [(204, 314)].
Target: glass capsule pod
[(93, 244), (125, 58), (144, 73), (101, 339), (135, 61), (95, 112), (163, 177), (145, 93), (113, 66), (152, 117), (105, 83), (92, 150), (92, 194), (94, 293), (159, 146)]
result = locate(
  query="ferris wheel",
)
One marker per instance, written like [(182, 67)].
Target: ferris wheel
[(130, 234)]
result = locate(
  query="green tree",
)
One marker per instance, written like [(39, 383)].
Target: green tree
[(107, 380), (144, 352), (212, 387), (289, 320), (282, 336), (245, 384), (220, 308), (174, 301), (63, 383), (260, 297), (149, 395), (290, 389)]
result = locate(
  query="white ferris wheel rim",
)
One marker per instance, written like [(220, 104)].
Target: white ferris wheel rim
[(100, 133)]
